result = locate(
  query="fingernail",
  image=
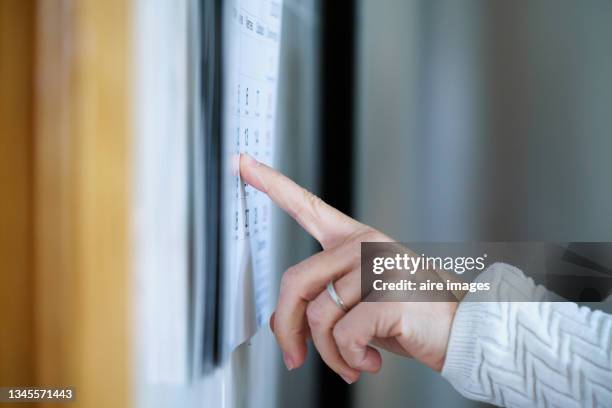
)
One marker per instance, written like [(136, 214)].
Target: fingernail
[(288, 361), (272, 322), (255, 178), (347, 379), (250, 161)]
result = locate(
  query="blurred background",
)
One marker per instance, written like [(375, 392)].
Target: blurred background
[(431, 120)]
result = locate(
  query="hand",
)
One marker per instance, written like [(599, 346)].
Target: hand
[(344, 340)]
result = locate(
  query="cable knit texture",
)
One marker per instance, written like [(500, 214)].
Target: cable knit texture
[(532, 353)]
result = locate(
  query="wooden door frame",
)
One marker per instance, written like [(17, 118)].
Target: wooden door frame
[(16, 192), (82, 206)]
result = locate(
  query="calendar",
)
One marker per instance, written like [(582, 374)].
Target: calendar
[(251, 52)]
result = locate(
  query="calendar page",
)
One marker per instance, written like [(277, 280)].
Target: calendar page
[(251, 51)]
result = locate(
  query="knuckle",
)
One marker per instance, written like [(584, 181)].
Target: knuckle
[(289, 280), (315, 314), (312, 199), (341, 335), (312, 210), (354, 253), (308, 207), (292, 333), (371, 235), (354, 241)]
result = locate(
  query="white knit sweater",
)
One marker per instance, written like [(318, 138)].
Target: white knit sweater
[(529, 354)]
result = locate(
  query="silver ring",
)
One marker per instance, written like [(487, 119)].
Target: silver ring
[(334, 296)]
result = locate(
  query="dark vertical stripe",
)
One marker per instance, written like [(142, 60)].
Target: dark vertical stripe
[(216, 152), (336, 132), (212, 113)]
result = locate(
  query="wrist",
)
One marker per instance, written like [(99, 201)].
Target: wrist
[(445, 324)]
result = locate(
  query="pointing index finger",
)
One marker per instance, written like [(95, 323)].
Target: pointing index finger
[(326, 224)]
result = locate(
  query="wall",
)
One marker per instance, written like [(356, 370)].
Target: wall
[(486, 121)]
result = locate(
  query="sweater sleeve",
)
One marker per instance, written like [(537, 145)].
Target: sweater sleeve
[(529, 354)]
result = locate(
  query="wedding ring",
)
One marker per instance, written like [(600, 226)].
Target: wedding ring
[(334, 296)]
